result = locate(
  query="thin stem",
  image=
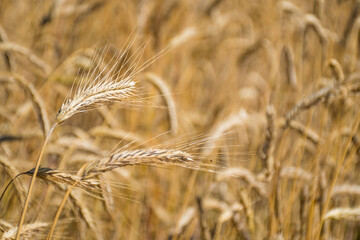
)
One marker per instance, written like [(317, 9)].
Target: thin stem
[(62, 204), (336, 174), (2, 195), (21, 222)]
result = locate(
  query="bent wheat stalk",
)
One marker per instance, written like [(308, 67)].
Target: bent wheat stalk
[(145, 157)]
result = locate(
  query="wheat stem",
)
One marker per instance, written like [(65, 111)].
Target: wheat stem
[(32, 183)]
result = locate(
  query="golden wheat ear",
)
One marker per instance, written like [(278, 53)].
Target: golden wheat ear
[(106, 82), (109, 81)]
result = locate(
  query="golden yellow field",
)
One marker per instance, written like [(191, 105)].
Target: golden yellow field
[(166, 119)]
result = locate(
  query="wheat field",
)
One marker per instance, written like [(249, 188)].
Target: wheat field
[(166, 119)]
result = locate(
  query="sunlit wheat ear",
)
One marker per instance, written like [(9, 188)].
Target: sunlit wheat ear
[(107, 82), (164, 157), (29, 231)]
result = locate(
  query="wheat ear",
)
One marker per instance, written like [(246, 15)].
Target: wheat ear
[(28, 231), (159, 83), (37, 101), (7, 57), (144, 157), (336, 70), (268, 146), (288, 56), (343, 214), (9, 46)]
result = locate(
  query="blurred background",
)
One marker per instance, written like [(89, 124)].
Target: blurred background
[(264, 92)]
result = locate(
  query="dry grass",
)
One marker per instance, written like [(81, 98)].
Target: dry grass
[(193, 119)]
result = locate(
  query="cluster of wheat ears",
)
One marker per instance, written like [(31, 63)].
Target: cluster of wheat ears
[(242, 122)]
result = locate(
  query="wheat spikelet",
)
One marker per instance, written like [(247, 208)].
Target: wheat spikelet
[(268, 146), (144, 157), (103, 84), (309, 102), (304, 131), (60, 177), (345, 190), (28, 231), (288, 56), (108, 82), (344, 214), (121, 159)]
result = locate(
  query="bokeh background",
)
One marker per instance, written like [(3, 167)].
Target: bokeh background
[(263, 91)]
